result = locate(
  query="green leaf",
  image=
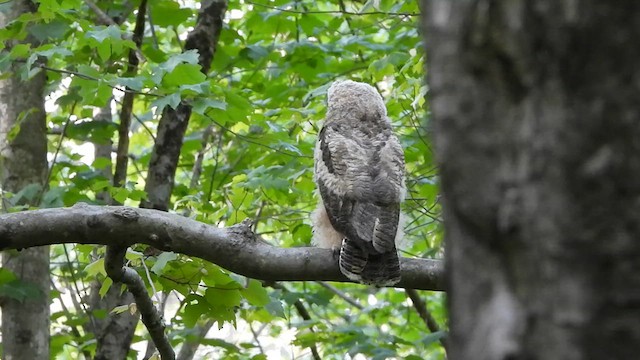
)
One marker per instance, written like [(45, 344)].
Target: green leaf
[(27, 194), (120, 309), (184, 74), (275, 308), (220, 343), (6, 276), (169, 13), (119, 194), (53, 198), (15, 128), (47, 31), (196, 307), (223, 297), (20, 51), (135, 83), (172, 101), (106, 285), (433, 337), (200, 106), (256, 294), (188, 57), (110, 32), (102, 163), (133, 255), (161, 262), (20, 290), (95, 268)]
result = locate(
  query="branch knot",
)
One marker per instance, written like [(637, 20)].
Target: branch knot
[(127, 214)]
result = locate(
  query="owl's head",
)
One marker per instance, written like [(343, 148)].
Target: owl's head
[(360, 98)]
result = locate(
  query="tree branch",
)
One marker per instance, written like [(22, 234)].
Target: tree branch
[(334, 12), (425, 315), (122, 159), (174, 122), (235, 248), (152, 319), (341, 294), (304, 314)]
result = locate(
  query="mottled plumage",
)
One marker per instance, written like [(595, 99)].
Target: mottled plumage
[(359, 172)]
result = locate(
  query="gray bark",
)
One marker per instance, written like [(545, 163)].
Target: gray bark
[(115, 332), (193, 340), (536, 122), (235, 248), (25, 324), (173, 124)]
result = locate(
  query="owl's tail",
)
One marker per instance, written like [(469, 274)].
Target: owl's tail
[(371, 268)]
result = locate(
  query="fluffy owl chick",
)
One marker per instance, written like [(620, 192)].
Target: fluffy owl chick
[(359, 173)]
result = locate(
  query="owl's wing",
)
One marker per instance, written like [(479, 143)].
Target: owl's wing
[(360, 178), (361, 166)]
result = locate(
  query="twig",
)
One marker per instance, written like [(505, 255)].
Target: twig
[(173, 123), (56, 153), (302, 310), (120, 175), (196, 171), (188, 349), (344, 12), (107, 20), (425, 315), (152, 319), (89, 77), (340, 294)]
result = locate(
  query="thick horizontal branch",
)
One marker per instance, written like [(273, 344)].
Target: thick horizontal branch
[(235, 248)]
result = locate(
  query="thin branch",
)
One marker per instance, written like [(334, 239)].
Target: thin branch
[(69, 315), (304, 314), (142, 123), (256, 334), (425, 315), (335, 12), (235, 248), (173, 123), (152, 319), (107, 20), (249, 140), (74, 282), (88, 77), (56, 153), (102, 17), (196, 171), (120, 175), (151, 348), (188, 348), (341, 294)]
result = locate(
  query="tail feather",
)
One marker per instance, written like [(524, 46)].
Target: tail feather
[(369, 267), (353, 260), (382, 269)]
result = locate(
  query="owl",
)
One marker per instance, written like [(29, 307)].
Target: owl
[(359, 174)]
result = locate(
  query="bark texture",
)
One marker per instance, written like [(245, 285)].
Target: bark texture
[(235, 248), (115, 332), (537, 127), (173, 124), (25, 324)]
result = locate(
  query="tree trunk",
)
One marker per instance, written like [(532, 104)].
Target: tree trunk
[(25, 323), (536, 110)]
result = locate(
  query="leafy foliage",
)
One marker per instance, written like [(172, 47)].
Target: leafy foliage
[(254, 123)]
